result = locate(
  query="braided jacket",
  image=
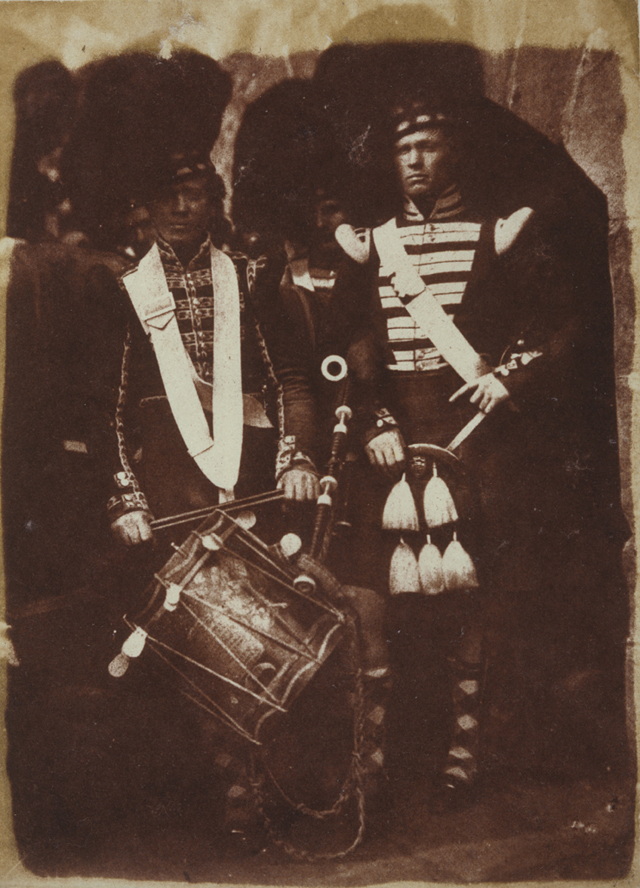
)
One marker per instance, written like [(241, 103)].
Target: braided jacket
[(138, 440)]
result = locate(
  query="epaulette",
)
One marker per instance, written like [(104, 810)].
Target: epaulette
[(507, 230), (356, 242)]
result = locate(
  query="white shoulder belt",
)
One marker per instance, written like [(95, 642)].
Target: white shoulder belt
[(424, 308), (217, 457)]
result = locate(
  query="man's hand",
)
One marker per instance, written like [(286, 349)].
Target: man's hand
[(300, 484), (132, 528), (386, 452), (487, 390)]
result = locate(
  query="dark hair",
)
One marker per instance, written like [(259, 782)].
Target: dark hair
[(220, 227)]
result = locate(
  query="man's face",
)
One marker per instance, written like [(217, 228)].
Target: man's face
[(329, 215), (136, 232), (424, 162), (182, 214)]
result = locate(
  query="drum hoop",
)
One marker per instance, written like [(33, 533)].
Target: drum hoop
[(218, 711)]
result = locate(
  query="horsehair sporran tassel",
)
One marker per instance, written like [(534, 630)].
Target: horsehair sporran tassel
[(439, 507), (459, 570), (400, 511), (403, 572), (430, 569)]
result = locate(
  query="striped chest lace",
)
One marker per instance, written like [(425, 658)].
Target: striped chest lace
[(442, 252)]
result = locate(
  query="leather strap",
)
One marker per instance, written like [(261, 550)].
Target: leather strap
[(218, 457), (423, 306)]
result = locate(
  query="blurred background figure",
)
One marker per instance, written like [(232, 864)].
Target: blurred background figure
[(292, 190), (45, 97)]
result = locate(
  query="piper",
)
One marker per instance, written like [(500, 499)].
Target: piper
[(457, 316)]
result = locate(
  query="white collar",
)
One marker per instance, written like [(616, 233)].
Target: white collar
[(300, 273)]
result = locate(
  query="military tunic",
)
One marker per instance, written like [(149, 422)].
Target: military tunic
[(142, 449), (522, 305)]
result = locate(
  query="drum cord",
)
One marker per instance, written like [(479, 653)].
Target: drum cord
[(352, 786)]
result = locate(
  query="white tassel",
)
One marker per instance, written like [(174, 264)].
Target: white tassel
[(439, 507), (403, 572), (400, 511), (430, 568), (459, 570)]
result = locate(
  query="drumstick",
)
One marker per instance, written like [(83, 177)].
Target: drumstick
[(184, 517), (257, 500)]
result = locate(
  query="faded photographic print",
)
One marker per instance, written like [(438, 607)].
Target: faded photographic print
[(317, 441)]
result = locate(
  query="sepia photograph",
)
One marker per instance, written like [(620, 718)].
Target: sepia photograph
[(319, 466)]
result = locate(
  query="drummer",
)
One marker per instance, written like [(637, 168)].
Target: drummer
[(175, 441), (191, 415)]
